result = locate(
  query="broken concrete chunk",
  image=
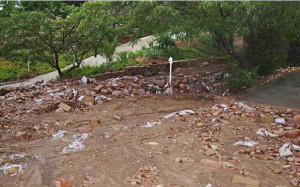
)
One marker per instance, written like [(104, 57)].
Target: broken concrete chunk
[(94, 123), (99, 87), (65, 107), (245, 180)]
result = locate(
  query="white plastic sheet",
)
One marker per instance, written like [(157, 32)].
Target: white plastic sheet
[(264, 132), (59, 134), (77, 144), (286, 149), (182, 113), (248, 108), (151, 124), (246, 143), (8, 166)]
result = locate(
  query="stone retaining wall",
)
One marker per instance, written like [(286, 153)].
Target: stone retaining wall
[(152, 69)]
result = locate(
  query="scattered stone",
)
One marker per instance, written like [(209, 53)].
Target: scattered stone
[(89, 100), (65, 107), (105, 91), (13, 171), (94, 123), (63, 183), (187, 160), (88, 168), (59, 110), (84, 129), (99, 87), (277, 171), (178, 160), (116, 117), (266, 119), (211, 163), (245, 180), (210, 152), (296, 117), (117, 93)]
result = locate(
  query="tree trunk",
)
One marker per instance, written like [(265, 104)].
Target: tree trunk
[(56, 57)]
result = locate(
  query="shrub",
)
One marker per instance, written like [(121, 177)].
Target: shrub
[(84, 71), (242, 79)]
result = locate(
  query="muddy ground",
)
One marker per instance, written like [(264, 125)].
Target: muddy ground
[(119, 152)]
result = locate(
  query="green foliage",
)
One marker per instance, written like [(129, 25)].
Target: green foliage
[(84, 71), (242, 79)]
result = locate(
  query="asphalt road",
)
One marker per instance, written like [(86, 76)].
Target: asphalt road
[(284, 91)]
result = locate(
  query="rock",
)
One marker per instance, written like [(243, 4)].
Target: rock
[(65, 107), (211, 163), (59, 110), (94, 123), (104, 91), (84, 129), (117, 93), (141, 92), (263, 148), (63, 183), (87, 168), (99, 87), (245, 180), (266, 119), (178, 160), (116, 117), (181, 86), (160, 83), (280, 121), (187, 160), (89, 100), (296, 117), (210, 152), (4, 91), (277, 171), (292, 133)]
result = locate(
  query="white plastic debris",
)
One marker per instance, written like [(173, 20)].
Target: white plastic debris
[(170, 115), (81, 98), (225, 107), (152, 143), (151, 124), (84, 80), (181, 113), (59, 134), (102, 97), (246, 143), (208, 185), (77, 144), (38, 101), (8, 166), (280, 121), (248, 108), (54, 90), (264, 132), (285, 150), (17, 155), (185, 112)]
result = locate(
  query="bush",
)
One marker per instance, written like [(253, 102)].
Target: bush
[(84, 71), (242, 79)]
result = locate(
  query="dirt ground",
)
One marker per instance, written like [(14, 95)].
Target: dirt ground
[(119, 152)]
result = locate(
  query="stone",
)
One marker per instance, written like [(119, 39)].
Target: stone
[(94, 123), (104, 91), (211, 163), (84, 129), (89, 100), (116, 117), (292, 133), (117, 93), (210, 152), (65, 107), (296, 117), (141, 92), (277, 171), (63, 183), (59, 110), (263, 148), (181, 86), (245, 180), (178, 160), (266, 119), (280, 121), (99, 87), (187, 160), (87, 168), (160, 83)]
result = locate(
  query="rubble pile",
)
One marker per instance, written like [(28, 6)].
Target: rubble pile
[(275, 137)]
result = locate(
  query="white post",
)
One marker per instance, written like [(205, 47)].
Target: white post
[(170, 76), (28, 65)]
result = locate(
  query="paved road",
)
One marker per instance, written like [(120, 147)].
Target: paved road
[(91, 61), (284, 91)]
